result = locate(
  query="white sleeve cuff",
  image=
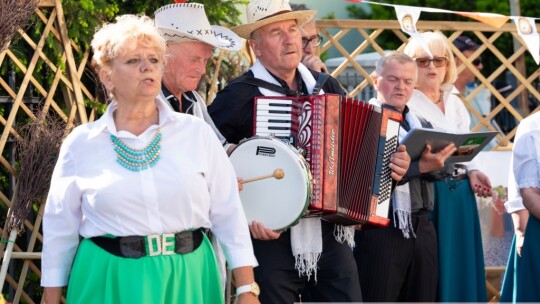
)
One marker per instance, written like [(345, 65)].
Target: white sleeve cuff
[(514, 205), (54, 278), (240, 258)]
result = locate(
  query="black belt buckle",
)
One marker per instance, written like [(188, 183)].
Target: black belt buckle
[(132, 247), (127, 247), (187, 242)]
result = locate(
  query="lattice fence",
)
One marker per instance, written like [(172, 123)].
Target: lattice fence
[(523, 99), (41, 74)]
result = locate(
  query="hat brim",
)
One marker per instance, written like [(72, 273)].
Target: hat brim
[(302, 17), (223, 38), (468, 48)]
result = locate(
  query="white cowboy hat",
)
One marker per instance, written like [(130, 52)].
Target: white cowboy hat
[(181, 22), (263, 12)]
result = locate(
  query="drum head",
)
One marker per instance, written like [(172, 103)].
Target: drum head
[(277, 203)]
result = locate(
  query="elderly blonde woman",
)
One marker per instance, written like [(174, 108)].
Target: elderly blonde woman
[(455, 215), (133, 191)]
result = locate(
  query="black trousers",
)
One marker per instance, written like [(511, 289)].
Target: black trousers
[(337, 279), (392, 268)]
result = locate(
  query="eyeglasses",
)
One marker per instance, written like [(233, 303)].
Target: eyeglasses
[(314, 40), (477, 61), (424, 62)]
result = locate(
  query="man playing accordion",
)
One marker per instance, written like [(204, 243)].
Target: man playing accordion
[(312, 255)]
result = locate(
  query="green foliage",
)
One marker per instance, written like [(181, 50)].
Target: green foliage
[(100, 107), (360, 12), (218, 11), (84, 16), (501, 7), (223, 12), (330, 15), (4, 188)]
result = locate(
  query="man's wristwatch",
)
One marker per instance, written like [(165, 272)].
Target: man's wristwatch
[(253, 288)]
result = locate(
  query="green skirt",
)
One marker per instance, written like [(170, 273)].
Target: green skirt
[(462, 275), (522, 274), (100, 277)]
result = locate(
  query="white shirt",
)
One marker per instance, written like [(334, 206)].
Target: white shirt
[(526, 160), (193, 185), (454, 119), (514, 202)]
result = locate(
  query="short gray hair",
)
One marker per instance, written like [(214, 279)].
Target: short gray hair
[(392, 56)]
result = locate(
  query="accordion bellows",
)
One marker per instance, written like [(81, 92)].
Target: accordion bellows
[(347, 144)]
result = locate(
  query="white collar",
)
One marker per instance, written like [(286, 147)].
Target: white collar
[(260, 72), (106, 121)]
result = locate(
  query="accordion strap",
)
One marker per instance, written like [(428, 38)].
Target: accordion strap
[(279, 89), (320, 82), (267, 85)]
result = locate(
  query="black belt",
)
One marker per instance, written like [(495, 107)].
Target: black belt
[(160, 244)]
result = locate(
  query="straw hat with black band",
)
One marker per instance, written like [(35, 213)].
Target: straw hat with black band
[(264, 12)]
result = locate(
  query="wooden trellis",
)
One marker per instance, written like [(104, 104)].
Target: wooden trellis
[(371, 31), (64, 94), (25, 92)]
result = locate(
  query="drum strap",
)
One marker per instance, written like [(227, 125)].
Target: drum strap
[(276, 88)]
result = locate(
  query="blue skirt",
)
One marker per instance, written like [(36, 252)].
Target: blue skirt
[(462, 275), (522, 276), (100, 277)]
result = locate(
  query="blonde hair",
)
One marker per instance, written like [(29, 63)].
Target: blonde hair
[(111, 39), (435, 40)]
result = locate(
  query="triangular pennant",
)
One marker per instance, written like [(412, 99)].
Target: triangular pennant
[(495, 20), (407, 17), (527, 31)]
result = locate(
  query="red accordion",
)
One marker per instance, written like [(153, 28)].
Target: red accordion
[(347, 143)]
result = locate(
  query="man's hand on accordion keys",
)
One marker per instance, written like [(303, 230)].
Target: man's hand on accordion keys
[(260, 232), (399, 163), (430, 161)]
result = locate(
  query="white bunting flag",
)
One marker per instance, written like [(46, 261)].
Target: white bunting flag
[(407, 17), (527, 31)]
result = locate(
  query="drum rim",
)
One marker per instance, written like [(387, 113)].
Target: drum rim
[(306, 172)]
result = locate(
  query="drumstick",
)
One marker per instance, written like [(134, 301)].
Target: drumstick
[(278, 174)]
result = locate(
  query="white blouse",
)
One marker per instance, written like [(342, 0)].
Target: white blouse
[(514, 202), (526, 160), (193, 185), (455, 117)]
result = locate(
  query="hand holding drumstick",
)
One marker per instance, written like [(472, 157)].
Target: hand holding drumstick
[(278, 174)]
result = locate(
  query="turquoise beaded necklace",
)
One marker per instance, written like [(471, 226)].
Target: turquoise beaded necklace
[(137, 159)]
